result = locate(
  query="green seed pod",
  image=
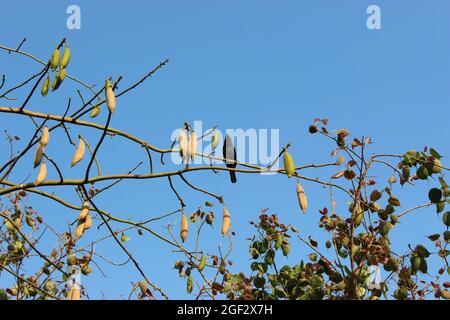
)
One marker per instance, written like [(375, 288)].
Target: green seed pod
[(446, 218), (54, 60), (289, 165), (446, 235), (202, 263), (415, 262), (190, 284), (71, 260), (65, 58), (422, 173), (95, 112), (385, 228), (45, 86), (86, 269), (214, 139), (394, 201)]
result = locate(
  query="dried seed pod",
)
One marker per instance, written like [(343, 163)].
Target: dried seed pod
[(143, 285), (45, 86), (65, 58), (45, 136), (74, 293), (79, 152), (215, 139), (183, 143), (84, 211), (302, 200), (193, 145), (88, 222), (54, 60), (38, 155), (41, 175), (375, 195), (225, 221), (79, 231), (110, 97), (289, 165), (340, 160), (338, 175), (184, 227)]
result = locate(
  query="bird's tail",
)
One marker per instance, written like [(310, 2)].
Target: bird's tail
[(233, 176)]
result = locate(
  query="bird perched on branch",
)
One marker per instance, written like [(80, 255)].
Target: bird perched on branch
[(229, 153)]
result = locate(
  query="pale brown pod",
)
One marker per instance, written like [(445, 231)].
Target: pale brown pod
[(110, 97), (192, 145), (184, 227), (340, 160), (38, 155), (183, 143), (226, 221), (79, 152), (338, 175), (302, 200), (45, 136), (88, 222), (144, 287), (79, 231), (74, 293), (84, 211), (41, 175)]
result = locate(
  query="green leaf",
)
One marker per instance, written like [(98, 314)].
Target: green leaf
[(421, 251), (125, 238), (434, 237), (443, 183), (440, 207), (435, 154)]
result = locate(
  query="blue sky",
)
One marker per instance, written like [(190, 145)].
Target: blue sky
[(240, 64)]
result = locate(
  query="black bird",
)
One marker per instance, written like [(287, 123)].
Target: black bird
[(229, 153)]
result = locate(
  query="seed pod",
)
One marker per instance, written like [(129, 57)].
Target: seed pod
[(86, 269), (79, 152), (338, 175), (49, 286), (210, 218), (88, 222), (183, 143), (340, 160), (54, 60), (41, 175), (110, 97), (143, 285), (214, 139), (45, 86), (357, 215), (202, 263), (95, 111), (184, 227), (190, 284), (65, 58), (225, 221), (84, 211), (437, 167), (45, 136), (38, 155), (59, 78), (289, 165), (394, 201), (71, 260), (193, 145), (302, 200), (74, 294), (79, 231), (446, 218), (392, 180), (375, 195), (445, 294)]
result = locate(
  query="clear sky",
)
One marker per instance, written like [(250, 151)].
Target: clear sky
[(238, 64)]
